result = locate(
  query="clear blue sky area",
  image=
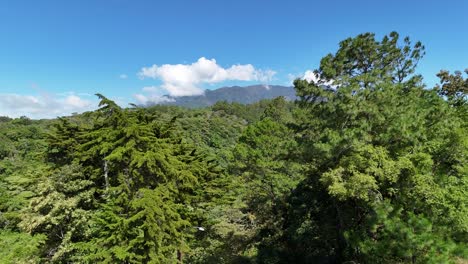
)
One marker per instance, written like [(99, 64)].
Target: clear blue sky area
[(82, 47)]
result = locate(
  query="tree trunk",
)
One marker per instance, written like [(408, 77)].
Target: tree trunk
[(106, 175), (180, 256), (340, 233)]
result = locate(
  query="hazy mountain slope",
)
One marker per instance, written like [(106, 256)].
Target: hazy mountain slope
[(244, 95)]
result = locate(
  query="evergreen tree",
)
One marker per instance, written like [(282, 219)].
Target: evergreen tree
[(61, 211), (149, 177)]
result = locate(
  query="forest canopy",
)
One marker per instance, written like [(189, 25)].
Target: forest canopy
[(368, 165)]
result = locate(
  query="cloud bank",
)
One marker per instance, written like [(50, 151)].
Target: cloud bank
[(187, 79), (152, 96), (43, 106)]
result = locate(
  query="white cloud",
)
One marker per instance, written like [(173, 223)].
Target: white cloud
[(308, 75), (185, 79), (314, 77), (311, 76), (42, 106), (152, 99), (264, 76), (152, 96), (150, 89), (74, 101), (123, 76)]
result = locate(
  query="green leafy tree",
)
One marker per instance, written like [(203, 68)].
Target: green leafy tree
[(454, 86), (264, 165), (370, 138)]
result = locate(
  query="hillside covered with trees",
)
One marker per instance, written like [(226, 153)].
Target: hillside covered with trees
[(368, 165)]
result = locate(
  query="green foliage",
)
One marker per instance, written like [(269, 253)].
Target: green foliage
[(376, 137), (404, 237), (365, 61), (20, 247), (213, 133), (367, 166), (149, 177), (453, 86), (249, 113), (63, 142), (21, 167), (261, 160), (61, 211)]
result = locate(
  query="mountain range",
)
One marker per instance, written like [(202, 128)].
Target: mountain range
[(244, 95)]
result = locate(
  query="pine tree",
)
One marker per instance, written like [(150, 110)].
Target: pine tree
[(371, 135)]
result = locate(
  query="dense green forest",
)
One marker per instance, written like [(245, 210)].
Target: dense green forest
[(368, 165)]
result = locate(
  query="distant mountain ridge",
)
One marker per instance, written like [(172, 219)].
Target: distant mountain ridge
[(244, 95)]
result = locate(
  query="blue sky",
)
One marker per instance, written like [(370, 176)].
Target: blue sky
[(54, 55)]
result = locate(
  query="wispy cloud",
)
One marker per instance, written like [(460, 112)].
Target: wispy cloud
[(43, 105), (186, 79), (123, 76)]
